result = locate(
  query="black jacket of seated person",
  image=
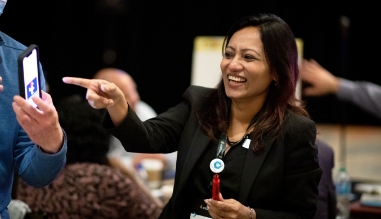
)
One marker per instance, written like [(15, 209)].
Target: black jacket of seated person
[(326, 208)]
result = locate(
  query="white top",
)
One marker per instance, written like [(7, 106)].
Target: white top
[(144, 112)]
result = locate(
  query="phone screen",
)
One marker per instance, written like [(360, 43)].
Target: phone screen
[(31, 76)]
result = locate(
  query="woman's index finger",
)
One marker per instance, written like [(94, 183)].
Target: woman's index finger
[(83, 82)]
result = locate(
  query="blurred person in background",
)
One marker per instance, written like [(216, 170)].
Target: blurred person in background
[(326, 207)]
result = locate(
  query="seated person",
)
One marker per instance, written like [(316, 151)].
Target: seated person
[(326, 207), (88, 187)]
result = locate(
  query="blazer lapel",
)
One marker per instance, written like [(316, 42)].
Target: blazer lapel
[(253, 164), (199, 143)]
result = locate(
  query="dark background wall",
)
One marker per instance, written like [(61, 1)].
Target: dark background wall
[(153, 41)]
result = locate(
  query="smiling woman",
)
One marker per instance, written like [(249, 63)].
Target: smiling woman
[(246, 76), (273, 172)]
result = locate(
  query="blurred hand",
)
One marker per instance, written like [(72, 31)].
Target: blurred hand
[(41, 125), (227, 208), (103, 94), (320, 81)]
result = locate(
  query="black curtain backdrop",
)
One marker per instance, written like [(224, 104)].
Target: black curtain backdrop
[(153, 41)]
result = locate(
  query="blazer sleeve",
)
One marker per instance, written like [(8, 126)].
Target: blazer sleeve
[(160, 134)]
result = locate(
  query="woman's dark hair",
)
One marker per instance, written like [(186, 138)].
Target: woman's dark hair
[(281, 53), (87, 140)]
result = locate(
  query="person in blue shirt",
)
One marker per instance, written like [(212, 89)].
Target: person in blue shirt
[(32, 142)]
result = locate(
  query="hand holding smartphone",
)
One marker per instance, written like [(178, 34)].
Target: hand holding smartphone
[(29, 74)]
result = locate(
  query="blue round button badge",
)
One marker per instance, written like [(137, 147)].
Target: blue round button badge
[(217, 165)]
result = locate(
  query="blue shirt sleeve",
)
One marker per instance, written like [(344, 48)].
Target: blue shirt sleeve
[(35, 167), (365, 95)]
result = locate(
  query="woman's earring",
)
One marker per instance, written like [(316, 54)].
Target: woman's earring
[(274, 82)]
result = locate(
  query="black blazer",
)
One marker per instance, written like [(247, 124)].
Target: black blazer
[(281, 182)]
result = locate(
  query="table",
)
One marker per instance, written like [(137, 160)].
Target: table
[(359, 211)]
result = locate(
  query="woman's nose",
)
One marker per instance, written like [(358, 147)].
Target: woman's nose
[(235, 65)]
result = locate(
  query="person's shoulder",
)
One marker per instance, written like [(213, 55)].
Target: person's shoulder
[(296, 116), (296, 120), (9, 42), (196, 95), (324, 148), (197, 88), (197, 91)]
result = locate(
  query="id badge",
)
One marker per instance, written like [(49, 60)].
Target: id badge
[(199, 210), (196, 216)]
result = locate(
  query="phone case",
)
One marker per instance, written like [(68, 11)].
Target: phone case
[(35, 81)]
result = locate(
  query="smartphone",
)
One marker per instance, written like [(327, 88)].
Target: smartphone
[(29, 74)]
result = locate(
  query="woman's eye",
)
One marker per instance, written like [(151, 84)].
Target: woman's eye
[(228, 55), (249, 57)]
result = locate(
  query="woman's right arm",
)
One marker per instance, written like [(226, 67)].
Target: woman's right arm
[(103, 94)]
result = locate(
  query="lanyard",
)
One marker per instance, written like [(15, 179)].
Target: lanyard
[(217, 164), (221, 146)]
